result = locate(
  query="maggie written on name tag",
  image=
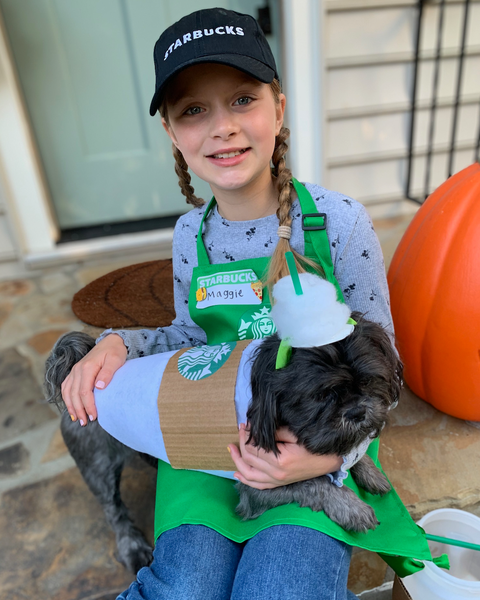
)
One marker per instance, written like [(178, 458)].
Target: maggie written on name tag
[(233, 287)]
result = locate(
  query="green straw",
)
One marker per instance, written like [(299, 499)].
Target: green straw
[(450, 542), (294, 273)]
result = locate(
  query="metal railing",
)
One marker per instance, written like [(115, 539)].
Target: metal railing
[(433, 104)]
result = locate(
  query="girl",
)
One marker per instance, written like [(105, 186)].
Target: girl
[(220, 101)]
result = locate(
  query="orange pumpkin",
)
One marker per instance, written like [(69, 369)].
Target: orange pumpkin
[(434, 281)]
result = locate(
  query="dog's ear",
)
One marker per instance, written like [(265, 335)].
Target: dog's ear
[(262, 421), (262, 413), (371, 349), (67, 351)]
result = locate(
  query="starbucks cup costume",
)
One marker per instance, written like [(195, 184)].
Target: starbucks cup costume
[(227, 301)]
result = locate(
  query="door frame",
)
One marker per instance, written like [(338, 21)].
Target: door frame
[(22, 177)]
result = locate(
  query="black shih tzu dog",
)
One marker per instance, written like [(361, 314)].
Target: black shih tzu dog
[(332, 398), (100, 458)]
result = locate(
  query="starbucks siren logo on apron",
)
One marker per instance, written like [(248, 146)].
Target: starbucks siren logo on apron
[(256, 324), (203, 361)]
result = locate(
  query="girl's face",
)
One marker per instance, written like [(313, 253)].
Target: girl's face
[(224, 122)]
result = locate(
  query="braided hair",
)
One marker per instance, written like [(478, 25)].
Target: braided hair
[(181, 168), (278, 267)]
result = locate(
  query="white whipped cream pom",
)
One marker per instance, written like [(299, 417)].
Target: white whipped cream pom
[(314, 318)]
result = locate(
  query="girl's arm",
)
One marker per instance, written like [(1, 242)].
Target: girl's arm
[(183, 332), (360, 271), (97, 368)]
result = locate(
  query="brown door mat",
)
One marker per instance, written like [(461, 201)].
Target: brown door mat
[(136, 296)]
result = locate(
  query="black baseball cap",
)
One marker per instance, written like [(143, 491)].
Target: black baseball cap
[(212, 35)]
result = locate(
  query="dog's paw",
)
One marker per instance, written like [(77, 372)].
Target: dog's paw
[(369, 477), (134, 552), (359, 518), (252, 502), (380, 485), (345, 508)]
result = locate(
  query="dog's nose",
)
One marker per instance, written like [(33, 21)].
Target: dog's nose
[(357, 414)]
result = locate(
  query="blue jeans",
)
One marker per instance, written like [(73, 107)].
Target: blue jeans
[(194, 562)]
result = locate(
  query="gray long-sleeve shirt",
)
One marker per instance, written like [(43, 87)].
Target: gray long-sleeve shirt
[(356, 256)]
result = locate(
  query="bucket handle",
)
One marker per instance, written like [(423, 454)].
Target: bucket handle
[(452, 542)]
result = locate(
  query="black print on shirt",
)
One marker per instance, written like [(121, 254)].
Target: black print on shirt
[(250, 233), (184, 259), (268, 242), (373, 295), (365, 254), (296, 216), (349, 290), (225, 223), (185, 225), (228, 256), (336, 241), (210, 246), (176, 278), (347, 201)]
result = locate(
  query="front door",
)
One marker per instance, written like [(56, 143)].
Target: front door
[(86, 70)]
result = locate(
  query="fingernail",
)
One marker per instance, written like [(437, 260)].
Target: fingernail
[(237, 478), (228, 448), (73, 417), (100, 385), (91, 417), (82, 423)]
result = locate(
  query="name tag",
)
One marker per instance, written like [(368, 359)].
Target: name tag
[(233, 287)]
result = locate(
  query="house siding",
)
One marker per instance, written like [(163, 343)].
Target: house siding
[(369, 52)]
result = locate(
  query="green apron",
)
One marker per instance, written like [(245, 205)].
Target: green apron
[(191, 497)]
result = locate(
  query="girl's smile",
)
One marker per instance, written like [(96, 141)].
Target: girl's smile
[(229, 157), (224, 122)]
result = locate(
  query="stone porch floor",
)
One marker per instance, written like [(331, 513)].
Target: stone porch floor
[(54, 541)]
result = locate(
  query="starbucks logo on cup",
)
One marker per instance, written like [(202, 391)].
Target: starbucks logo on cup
[(203, 361)]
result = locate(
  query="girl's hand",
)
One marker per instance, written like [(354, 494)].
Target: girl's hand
[(96, 369), (263, 470)]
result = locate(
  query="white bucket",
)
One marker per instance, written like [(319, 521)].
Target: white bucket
[(462, 581)]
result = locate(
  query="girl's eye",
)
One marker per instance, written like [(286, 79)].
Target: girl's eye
[(193, 110), (243, 101)]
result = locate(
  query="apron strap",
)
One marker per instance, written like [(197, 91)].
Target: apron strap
[(314, 224), (317, 246), (202, 255)]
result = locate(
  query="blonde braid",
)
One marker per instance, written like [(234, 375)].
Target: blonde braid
[(278, 265), (184, 178)]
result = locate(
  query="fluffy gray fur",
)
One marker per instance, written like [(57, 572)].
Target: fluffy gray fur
[(99, 457)]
